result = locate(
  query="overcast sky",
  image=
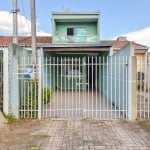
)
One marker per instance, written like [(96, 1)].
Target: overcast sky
[(117, 17)]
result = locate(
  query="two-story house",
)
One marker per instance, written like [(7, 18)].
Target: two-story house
[(75, 36)]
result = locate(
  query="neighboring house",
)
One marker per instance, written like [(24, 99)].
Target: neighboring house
[(23, 41), (140, 51)]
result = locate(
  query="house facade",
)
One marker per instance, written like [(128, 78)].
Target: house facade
[(75, 41), (88, 76)]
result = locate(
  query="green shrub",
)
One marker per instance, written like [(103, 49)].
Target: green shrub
[(30, 108), (46, 95), (1, 102)]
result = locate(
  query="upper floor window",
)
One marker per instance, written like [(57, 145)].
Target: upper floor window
[(70, 31), (77, 31), (77, 34)]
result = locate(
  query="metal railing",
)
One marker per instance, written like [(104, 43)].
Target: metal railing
[(1, 80), (75, 39)]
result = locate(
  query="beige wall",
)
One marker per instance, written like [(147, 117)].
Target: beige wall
[(141, 61)]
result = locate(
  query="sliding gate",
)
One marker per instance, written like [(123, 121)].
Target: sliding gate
[(86, 87), (75, 87)]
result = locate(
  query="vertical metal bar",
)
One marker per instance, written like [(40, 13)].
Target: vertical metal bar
[(54, 82), (144, 86), (28, 89), (36, 86), (84, 86), (44, 82), (24, 99), (61, 88), (30, 95), (119, 87), (115, 76), (40, 89), (123, 81), (126, 87), (100, 86), (68, 80), (65, 86), (112, 78), (103, 101), (88, 89), (72, 86), (140, 83), (57, 80), (92, 87), (50, 68), (96, 89), (33, 98), (43, 86), (20, 88), (24, 92), (76, 86), (45, 93), (148, 89), (79, 85), (107, 78)]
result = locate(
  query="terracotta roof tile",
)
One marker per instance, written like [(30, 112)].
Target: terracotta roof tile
[(120, 44), (24, 40)]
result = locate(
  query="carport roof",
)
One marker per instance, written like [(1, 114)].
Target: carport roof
[(76, 47)]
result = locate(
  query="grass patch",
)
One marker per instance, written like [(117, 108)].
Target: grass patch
[(33, 146), (145, 123), (43, 136), (10, 118)]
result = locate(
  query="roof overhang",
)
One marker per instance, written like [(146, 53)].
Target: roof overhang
[(75, 47), (139, 51)]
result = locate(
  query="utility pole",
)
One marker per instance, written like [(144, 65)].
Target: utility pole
[(15, 22), (33, 30)]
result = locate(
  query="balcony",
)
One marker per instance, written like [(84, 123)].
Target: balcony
[(75, 39)]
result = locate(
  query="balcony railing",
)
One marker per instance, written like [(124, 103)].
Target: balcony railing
[(75, 39)]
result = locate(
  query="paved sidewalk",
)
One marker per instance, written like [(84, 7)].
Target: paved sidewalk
[(76, 135)]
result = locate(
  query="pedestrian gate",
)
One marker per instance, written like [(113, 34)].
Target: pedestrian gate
[(74, 87)]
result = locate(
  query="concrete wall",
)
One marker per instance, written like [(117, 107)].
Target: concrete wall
[(15, 53), (116, 76)]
